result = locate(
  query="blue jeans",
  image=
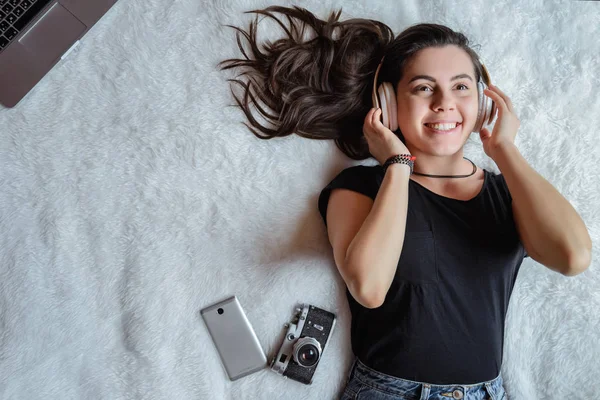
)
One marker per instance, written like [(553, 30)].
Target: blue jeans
[(366, 383)]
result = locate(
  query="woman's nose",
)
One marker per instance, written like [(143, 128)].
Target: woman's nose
[(443, 101)]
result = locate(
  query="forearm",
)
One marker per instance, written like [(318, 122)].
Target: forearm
[(374, 252), (550, 224)]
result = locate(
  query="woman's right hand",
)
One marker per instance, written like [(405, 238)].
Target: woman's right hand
[(383, 143)]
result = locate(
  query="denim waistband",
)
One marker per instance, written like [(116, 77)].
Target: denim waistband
[(423, 390)]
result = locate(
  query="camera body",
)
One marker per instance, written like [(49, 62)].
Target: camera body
[(304, 342)]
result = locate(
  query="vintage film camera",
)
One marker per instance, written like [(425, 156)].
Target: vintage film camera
[(304, 343)]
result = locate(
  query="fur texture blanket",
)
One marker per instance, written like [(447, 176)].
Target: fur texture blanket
[(131, 196)]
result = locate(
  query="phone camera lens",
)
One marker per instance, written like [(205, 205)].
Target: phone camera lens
[(220, 311)]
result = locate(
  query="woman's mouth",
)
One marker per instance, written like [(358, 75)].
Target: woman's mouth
[(443, 129)]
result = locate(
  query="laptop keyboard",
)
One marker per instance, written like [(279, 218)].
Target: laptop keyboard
[(15, 15)]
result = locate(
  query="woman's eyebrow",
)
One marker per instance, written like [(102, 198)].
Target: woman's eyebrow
[(432, 79)]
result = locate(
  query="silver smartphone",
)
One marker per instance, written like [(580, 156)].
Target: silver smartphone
[(239, 349)]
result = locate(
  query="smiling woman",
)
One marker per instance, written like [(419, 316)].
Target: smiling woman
[(317, 81), (438, 111), (429, 269)]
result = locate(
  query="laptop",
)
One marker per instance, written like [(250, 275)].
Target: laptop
[(37, 34)]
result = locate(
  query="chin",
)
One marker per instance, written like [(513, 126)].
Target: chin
[(445, 147), (448, 148), (443, 152)]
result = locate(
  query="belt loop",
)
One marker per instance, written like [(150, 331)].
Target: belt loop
[(425, 390), (490, 391)]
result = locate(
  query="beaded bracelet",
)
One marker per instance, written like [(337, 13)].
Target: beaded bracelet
[(400, 159)]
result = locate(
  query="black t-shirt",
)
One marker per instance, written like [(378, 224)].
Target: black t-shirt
[(442, 320)]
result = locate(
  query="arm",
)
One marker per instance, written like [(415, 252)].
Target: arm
[(549, 227), (373, 254)]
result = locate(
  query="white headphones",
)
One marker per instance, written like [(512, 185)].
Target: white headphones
[(385, 98)]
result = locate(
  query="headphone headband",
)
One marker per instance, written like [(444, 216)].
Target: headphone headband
[(375, 98), (485, 74)]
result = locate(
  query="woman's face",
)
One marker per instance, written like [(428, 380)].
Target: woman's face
[(437, 85)]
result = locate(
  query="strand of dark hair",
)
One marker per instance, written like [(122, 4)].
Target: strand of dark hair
[(320, 86), (317, 88)]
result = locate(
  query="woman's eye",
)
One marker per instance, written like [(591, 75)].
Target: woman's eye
[(421, 88)]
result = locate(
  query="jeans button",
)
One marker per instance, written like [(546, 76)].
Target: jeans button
[(457, 394)]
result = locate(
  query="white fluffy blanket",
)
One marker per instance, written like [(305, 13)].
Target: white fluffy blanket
[(131, 196)]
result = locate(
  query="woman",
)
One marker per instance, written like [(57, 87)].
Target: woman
[(428, 244)]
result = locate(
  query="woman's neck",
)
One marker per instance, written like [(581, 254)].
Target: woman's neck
[(453, 164)]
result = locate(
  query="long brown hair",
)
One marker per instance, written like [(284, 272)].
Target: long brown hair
[(320, 88)]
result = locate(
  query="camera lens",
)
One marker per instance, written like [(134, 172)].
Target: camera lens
[(308, 355), (307, 352), (220, 311)]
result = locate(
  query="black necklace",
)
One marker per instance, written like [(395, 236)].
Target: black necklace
[(451, 176)]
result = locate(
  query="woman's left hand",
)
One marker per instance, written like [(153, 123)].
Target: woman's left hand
[(505, 127)]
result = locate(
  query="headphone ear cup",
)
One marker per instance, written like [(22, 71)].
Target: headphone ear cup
[(486, 109), (384, 105), (392, 106), (480, 107)]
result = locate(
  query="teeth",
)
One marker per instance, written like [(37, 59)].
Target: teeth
[(442, 127)]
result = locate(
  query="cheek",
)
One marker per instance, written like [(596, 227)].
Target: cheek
[(468, 110), (411, 111), (409, 115)]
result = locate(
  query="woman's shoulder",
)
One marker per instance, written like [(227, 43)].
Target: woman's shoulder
[(498, 191), (365, 179), (365, 168), (360, 171), (497, 181), (362, 179)]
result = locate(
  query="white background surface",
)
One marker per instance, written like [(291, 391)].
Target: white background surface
[(131, 196)]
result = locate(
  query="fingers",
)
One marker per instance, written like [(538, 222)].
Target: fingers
[(371, 120), (368, 119), (500, 98), (504, 96), (500, 103), (375, 117)]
